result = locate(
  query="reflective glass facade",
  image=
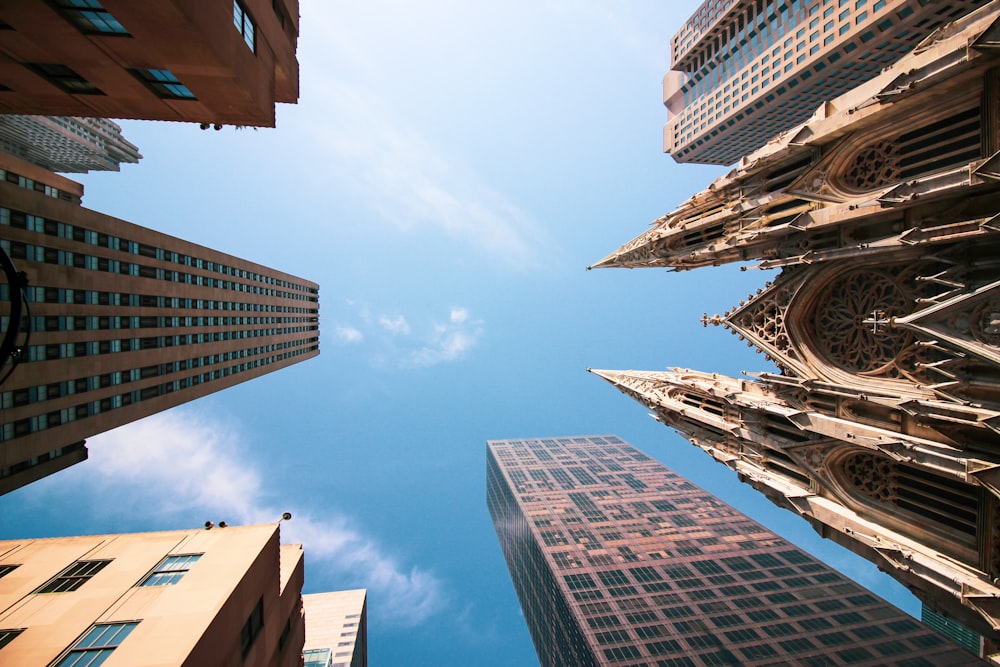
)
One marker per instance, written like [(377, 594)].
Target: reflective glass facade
[(617, 560)]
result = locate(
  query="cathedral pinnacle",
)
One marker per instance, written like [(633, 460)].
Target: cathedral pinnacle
[(715, 320)]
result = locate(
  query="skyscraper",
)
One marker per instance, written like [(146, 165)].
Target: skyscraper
[(225, 61), (745, 70), (952, 629), (336, 629), (880, 423), (225, 596), (617, 560), (66, 144), (125, 322)]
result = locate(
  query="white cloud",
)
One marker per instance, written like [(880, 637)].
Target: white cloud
[(190, 461), (448, 342), (408, 342), (396, 325), (387, 164), (349, 334)]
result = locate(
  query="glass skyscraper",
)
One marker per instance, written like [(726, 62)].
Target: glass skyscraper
[(617, 560)]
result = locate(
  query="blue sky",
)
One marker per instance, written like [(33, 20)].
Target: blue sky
[(449, 172)]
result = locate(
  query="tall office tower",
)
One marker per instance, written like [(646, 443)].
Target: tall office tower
[(617, 560), (336, 629), (882, 427), (124, 322), (66, 144), (745, 70), (218, 61), (226, 596), (953, 630)]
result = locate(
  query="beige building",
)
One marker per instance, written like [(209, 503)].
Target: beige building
[(744, 70), (207, 61), (220, 596), (881, 426), (336, 629)]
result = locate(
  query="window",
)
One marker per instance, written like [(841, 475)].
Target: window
[(245, 25), (621, 653), (317, 657), (797, 645), (760, 615), (170, 570), (613, 637), (73, 577), (163, 83), (251, 629), (766, 560), (642, 616), (651, 631), (90, 17), (645, 574), (708, 567), (7, 569), (757, 652), (578, 581), (613, 577), (603, 622), (7, 636), (97, 644), (64, 78), (663, 647)]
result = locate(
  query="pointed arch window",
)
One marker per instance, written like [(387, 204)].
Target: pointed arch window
[(949, 507)]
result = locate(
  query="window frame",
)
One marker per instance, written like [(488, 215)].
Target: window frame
[(75, 651), (170, 570), (73, 577), (78, 15), (241, 21), (7, 635), (252, 628), (64, 78), (163, 83)]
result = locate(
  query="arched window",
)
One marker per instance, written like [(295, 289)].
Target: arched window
[(933, 509)]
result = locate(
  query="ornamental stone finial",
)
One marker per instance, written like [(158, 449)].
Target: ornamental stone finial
[(715, 320)]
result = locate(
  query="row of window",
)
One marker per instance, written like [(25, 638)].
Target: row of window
[(53, 351), (100, 298), (37, 253), (26, 395), (33, 185), (38, 460), (160, 82), (26, 426), (44, 323), (21, 220), (166, 573)]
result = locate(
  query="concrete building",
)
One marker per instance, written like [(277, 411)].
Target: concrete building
[(745, 70), (336, 629), (218, 61), (66, 144), (617, 560), (878, 421), (225, 596), (124, 322)]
